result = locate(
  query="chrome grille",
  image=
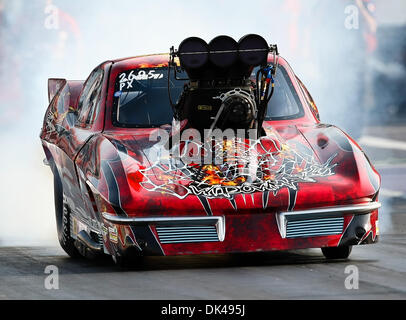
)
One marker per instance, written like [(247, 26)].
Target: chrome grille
[(181, 234), (314, 227)]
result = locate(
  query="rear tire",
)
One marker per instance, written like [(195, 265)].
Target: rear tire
[(62, 215), (342, 252)]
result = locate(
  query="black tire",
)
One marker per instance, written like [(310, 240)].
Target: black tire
[(129, 260), (342, 252), (62, 215)]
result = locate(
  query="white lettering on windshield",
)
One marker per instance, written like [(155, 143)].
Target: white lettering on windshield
[(126, 80)]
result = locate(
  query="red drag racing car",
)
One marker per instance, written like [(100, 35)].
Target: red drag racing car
[(127, 182)]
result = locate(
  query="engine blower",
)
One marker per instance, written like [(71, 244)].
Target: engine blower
[(220, 92)]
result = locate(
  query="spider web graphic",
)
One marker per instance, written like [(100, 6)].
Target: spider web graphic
[(243, 167)]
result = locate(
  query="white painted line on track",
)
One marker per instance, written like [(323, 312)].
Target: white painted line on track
[(382, 143), (389, 165), (391, 193)]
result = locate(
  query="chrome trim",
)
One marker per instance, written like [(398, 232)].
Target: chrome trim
[(217, 221), (314, 227), (187, 234), (282, 218)]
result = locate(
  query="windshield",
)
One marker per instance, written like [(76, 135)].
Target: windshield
[(285, 103), (141, 98)]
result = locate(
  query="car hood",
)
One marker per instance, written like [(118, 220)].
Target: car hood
[(290, 168)]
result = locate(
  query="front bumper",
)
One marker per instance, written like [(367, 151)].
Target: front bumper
[(319, 227)]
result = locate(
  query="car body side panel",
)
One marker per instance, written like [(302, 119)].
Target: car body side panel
[(63, 139)]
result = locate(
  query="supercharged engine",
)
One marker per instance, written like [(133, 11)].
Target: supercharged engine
[(221, 91)]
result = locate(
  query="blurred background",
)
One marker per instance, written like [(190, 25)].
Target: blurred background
[(351, 55)]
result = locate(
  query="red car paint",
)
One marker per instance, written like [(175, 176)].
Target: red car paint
[(103, 169)]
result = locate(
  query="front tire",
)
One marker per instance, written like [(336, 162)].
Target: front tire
[(342, 252), (129, 259)]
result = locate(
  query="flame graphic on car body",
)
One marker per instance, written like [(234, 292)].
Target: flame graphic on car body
[(248, 166)]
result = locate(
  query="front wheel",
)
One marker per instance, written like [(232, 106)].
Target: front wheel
[(342, 252)]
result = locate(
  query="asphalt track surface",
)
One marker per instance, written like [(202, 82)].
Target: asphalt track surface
[(301, 274)]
